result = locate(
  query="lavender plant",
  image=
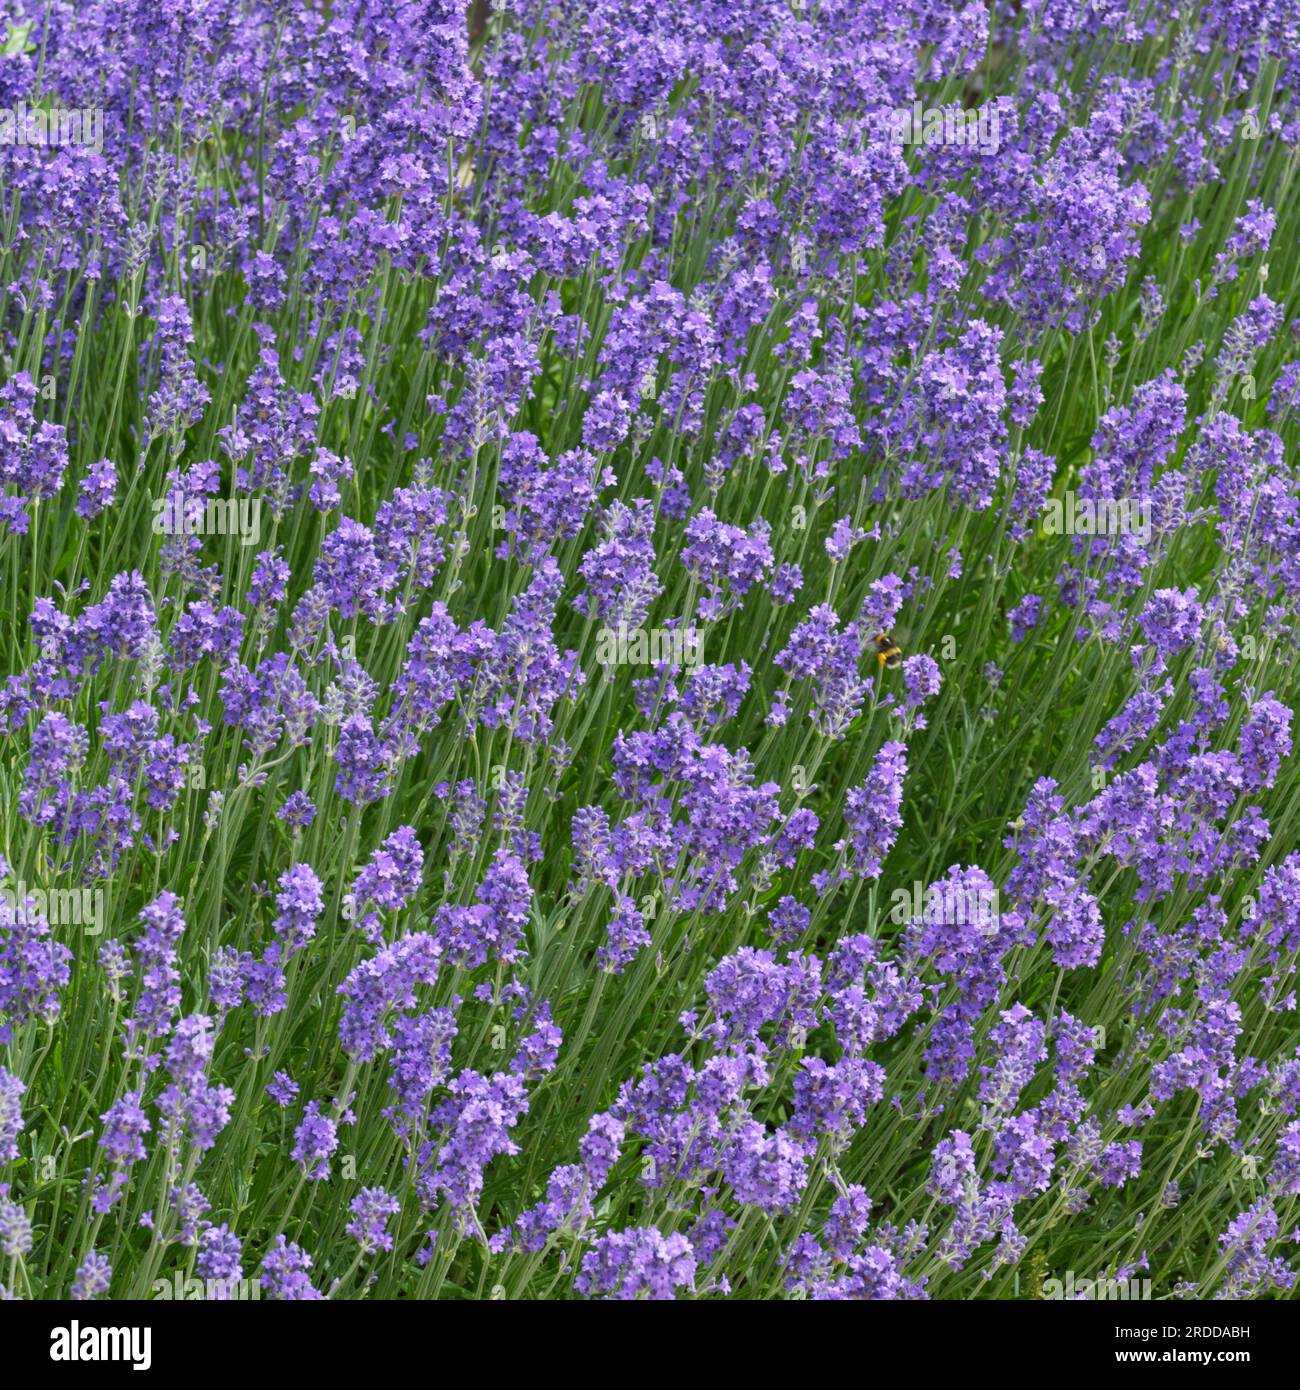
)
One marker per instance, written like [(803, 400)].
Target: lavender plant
[(649, 649)]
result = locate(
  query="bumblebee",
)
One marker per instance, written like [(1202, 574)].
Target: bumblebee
[(888, 652)]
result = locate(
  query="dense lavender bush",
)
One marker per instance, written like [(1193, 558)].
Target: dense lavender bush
[(649, 648)]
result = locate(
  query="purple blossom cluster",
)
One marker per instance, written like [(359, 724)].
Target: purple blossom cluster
[(527, 535)]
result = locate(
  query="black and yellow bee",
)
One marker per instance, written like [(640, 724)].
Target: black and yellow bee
[(888, 652)]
